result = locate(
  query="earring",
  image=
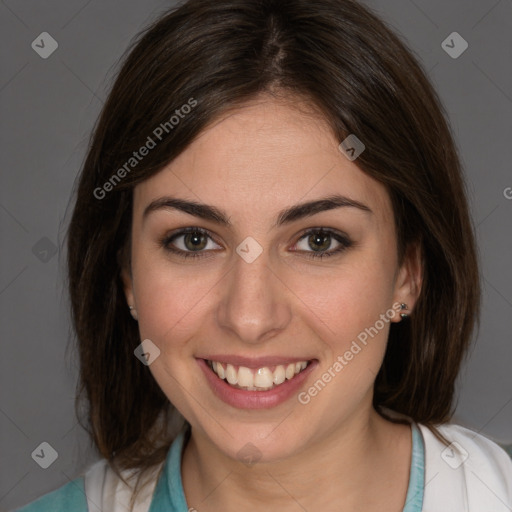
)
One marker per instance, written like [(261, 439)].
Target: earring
[(404, 315), (133, 312)]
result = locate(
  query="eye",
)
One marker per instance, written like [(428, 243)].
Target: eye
[(189, 243), (320, 240), (196, 242)]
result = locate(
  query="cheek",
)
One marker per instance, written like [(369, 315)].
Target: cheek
[(345, 301), (172, 306), (171, 301), (352, 317)]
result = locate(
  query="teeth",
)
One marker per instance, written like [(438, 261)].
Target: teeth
[(259, 380), (245, 377), (279, 374), (264, 378), (231, 374), (290, 371), (219, 370)]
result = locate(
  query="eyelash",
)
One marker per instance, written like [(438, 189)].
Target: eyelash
[(343, 240)]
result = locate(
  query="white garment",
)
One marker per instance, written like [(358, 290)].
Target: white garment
[(473, 474), (106, 492), (481, 483)]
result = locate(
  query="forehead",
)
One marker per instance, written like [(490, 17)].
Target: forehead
[(261, 157)]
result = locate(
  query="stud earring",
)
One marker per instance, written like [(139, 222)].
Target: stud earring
[(133, 312), (403, 315)]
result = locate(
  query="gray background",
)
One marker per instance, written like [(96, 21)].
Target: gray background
[(48, 107)]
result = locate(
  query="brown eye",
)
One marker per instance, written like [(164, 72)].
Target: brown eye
[(319, 241), (189, 241), (316, 243), (194, 241)]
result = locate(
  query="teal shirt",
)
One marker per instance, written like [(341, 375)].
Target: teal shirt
[(170, 497), (68, 498)]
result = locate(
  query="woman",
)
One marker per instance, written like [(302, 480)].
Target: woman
[(271, 241)]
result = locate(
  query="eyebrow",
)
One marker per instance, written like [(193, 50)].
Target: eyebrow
[(291, 214)]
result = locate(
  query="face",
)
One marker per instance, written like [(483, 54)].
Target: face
[(263, 253)]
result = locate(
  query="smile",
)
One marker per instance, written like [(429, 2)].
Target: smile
[(256, 379)]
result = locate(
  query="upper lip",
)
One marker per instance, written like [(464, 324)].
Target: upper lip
[(254, 362)]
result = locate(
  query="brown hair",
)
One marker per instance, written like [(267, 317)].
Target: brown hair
[(361, 78)]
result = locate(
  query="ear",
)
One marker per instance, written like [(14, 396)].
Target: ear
[(409, 278), (126, 275)]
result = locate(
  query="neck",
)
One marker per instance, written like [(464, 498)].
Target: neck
[(361, 464)]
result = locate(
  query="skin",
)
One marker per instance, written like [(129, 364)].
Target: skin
[(336, 452)]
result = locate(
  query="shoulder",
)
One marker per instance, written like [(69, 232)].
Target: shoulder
[(468, 448), (472, 471), (70, 496), (99, 485), (103, 486)]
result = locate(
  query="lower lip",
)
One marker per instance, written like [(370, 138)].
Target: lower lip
[(242, 399)]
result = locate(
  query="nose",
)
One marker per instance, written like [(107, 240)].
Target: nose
[(253, 302)]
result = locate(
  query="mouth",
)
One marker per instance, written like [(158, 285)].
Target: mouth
[(255, 383), (264, 378)]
